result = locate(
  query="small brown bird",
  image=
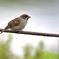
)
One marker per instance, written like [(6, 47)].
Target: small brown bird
[(18, 23)]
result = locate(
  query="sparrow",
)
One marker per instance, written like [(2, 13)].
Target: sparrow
[(18, 23)]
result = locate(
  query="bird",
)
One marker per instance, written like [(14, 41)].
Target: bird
[(17, 23)]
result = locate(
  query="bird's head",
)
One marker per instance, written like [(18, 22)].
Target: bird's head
[(25, 16)]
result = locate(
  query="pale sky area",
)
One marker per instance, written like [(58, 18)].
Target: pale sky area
[(44, 18)]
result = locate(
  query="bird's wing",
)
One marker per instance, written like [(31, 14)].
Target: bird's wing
[(14, 22)]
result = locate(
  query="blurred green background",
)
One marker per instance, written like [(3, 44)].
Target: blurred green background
[(30, 52)]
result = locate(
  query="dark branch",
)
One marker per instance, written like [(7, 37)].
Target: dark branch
[(32, 33)]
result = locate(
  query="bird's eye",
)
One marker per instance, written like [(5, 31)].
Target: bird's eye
[(24, 18)]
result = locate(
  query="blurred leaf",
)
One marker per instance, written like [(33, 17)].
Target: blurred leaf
[(39, 50), (5, 52), (49, 55), (27, 51)]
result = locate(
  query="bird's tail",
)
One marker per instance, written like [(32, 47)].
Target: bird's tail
[(4, 29)]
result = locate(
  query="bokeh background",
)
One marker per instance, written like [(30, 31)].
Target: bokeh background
[(44, 18)]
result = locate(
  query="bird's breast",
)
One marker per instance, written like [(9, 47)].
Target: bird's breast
[(20, 26)]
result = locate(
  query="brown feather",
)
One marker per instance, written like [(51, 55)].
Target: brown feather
[(14, 22)]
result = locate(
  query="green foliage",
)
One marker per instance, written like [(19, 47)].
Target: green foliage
[(39, 53), (29, 52), (49, 55), (4, 49), (39, 50)]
